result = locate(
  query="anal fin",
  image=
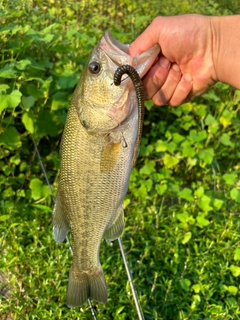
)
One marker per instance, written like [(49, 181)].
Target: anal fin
[(116, 229), (60, 225)]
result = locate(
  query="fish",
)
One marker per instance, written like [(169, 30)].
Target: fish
[(96, 155)]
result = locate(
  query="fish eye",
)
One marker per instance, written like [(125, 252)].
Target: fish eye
[(94, 67)]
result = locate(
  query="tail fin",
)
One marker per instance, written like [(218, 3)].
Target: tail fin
[(84, 285)]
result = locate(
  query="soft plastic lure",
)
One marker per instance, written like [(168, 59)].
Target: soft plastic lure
[(134, 76)]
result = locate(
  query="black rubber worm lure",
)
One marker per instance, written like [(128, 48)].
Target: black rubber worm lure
[(132, 73)]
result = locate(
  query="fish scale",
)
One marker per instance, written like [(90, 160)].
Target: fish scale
[(96, 157)]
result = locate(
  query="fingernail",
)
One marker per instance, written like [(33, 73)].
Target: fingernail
[(164, 62)]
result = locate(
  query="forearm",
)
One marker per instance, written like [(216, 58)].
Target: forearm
[(226, 49)]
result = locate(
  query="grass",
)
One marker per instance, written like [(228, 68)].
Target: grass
[(182, 209)]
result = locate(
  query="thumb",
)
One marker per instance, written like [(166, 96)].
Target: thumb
[(146, 40)]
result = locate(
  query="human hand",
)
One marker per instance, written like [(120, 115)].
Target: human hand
[(185, 68)]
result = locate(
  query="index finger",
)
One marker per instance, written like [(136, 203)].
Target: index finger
[(146, 40)]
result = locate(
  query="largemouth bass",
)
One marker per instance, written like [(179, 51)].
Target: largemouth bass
[(96, 155)]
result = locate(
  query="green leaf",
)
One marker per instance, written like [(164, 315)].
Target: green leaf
[(34, 91), (22, 64), (28, 102), (119, 310), (8, 193), (237, 254), (48, 38), (171, 146), (210, 120), (10, 138), (230, 178), (198, 136), (210, 95), (183, 217), (235, 270), (186, 193), (178, 137), (161, 188), (28, 121), (185, 284), (226, 118), (59, 101), (233, 290), (200, 109), (170, 161), (8, 72), (187, 237), (11, 100), (196, 288), (235, 194), (126, 202), (68, 81), (191, 162), (3, 87), (225, 140), (15, 159), (47, 124), (199, 192), (217, 203), (204, 203), (161, 146), (42, 207), (4, 217), (36, 187), (206, 155), (141, 192), (148, 183), (196, 301), (148, 104), (212, 123), (148, 168), (187, 149), (202, 222)]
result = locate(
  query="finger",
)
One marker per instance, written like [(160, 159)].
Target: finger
[(182, 90), (164, 95), (146, 40), (156, 77)]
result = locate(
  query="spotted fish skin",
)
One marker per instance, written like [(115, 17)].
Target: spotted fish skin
[(96, 157)]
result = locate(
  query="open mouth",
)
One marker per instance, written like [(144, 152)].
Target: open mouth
[(118, 53)]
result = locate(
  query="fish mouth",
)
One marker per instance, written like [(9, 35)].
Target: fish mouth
[(117, 52), (116, 45)]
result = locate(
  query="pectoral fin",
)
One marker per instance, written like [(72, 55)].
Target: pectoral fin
[(116, 229), (110, 155), (60, 225)]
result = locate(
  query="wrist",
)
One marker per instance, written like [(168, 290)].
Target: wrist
[(226, 49)]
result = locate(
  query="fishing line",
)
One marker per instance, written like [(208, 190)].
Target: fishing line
[(54, 201), (129, 275)]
